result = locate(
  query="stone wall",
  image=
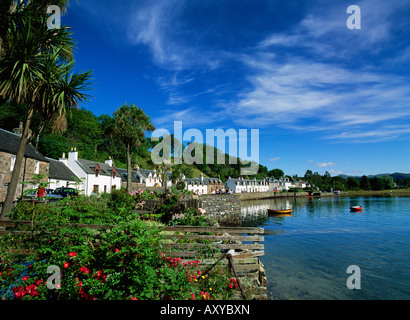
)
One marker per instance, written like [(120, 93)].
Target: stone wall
[(5, 174), (276, 194), (225, 208)]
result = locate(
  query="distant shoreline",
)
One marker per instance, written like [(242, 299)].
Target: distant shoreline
[(393, 192)]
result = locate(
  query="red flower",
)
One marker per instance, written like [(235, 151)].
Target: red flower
[(66, 265), (25, 278), (72, 254), (117, 250)]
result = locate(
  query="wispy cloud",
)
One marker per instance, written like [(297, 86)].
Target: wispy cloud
[(158, 26), (325, 164), (274, 159), (313, 78)]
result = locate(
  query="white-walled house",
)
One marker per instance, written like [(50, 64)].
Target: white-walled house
[(97, 177), (202, 185), (152, 179), (238, 185), (61, 175)]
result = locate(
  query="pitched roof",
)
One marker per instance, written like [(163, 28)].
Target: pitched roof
[(135, 177), (205, 181), (9, 142), (245, 181), (60, 171), (88, 166)]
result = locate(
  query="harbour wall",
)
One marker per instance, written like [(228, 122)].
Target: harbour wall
[(226, 208)]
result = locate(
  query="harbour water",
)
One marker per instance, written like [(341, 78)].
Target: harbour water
[(309, 256)]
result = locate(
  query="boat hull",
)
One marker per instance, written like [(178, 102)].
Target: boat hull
[(273, 212), (356, 209)]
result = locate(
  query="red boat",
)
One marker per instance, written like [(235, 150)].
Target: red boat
[(356, 209)]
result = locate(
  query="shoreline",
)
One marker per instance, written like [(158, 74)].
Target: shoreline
[(363, 193)]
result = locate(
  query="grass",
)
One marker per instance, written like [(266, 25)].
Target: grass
[(393, 192)]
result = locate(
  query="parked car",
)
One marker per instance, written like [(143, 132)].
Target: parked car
[(29, 195), (51, 193), (67, 192)]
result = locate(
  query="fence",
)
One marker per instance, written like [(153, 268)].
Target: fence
[(240, 245)]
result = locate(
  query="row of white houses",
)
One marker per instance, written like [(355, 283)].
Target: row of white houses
[(96, 177), (91, 177)]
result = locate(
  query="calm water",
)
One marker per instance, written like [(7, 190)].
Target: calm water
[(309, 258)]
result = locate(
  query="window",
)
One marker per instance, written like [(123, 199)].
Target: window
[(37, 167), (95, 189), (105, 189), (13, 160), (97, 170)]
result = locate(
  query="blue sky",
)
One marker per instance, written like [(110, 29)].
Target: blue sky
[(324, 97)]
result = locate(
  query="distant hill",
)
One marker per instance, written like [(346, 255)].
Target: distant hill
[(396, 176)]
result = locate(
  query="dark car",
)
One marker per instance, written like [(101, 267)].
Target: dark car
[(51, 193), (67, 192)]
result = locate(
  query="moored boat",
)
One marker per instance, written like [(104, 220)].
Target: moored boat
[(356, 209), (275, 212)]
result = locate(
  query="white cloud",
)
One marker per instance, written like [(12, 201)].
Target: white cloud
[(157, 25), (325, 164), (274, 159)]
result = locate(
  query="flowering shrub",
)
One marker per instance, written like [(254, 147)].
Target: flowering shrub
[(125, 262), (192, 217)]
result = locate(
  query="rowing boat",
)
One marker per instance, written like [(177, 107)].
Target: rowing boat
[(277, 212)]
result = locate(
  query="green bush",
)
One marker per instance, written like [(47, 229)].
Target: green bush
[(125, 262)]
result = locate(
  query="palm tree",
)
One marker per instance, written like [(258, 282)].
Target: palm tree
[(130, 125), (36, 74)]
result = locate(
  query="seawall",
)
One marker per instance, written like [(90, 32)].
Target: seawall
[(226, 208)]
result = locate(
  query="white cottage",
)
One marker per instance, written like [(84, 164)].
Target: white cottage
[(60, 175), (97, 177), (238, 185)]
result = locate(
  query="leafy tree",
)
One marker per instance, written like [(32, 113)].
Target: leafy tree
[(276, 173), (36, 66), (376, 184), (387, 182), (130, 125), (365, 183), (352, 183)]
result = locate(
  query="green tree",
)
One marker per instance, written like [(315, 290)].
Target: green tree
[(365, 183), (130, 125), (376, 184), (352, 183), (387, 182), (36, 66), (276, 173)]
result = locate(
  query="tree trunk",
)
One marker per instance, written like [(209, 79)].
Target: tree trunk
[(129, 186), (15, 176)]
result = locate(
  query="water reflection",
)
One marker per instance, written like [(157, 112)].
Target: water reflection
[(308, 259)]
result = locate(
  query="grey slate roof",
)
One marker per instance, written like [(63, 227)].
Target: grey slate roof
[(89, 166), (60, 171), (138, 178), (245, 181), (9, 142), (205, 181)]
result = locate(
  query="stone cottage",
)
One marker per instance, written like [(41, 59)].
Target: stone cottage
[(34, 163)]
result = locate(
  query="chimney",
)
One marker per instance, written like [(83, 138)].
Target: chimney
[(63, 159), (73, 155), (109, 161)]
